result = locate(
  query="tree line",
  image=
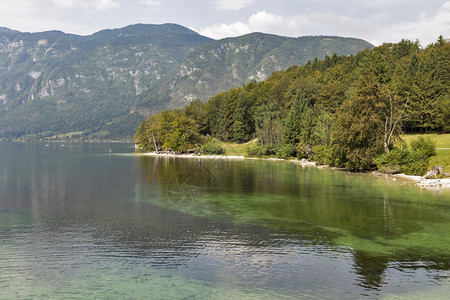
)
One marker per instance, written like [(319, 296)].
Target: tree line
[(345, 111)]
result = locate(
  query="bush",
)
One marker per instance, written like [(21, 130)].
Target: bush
[(393, 161), (261, 150), (415, 164), (425, 146), (413, 161), (322, 154), (213, 146), (287, 151)]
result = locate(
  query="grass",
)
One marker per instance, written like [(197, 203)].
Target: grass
[(442, 140), (441, 159), (68, 135), (443, 149), (233, 149)]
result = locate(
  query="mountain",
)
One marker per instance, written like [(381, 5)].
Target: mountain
[(221, 65), (102, 85)]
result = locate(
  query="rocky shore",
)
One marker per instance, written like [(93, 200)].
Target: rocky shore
[(423, 181)]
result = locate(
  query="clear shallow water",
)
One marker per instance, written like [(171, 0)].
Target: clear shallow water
[(78, 222)]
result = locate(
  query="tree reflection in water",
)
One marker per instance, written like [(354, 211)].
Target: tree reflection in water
[(324, 207)]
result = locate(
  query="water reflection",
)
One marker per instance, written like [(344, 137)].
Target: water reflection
[(370, 270), (381, 222), (80, 219)]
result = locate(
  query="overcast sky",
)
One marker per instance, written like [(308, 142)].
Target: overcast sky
[(376, 21)]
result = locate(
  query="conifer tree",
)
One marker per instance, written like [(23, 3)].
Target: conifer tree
[(291, 135), (242, 127)]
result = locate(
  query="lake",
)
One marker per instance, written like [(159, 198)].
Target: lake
[(77, 221)]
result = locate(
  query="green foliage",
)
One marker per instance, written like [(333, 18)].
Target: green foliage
[(258, 150), (442, 141), (213, 146), (291, 134), (168, 130), (308, 124), (411, 161), (322, 130), (424, 80), (405, 49), (287, 151), (393, 162), (357, 136), (196, 110), (243, 125), (322, 154), (377, 65), (215, 116), (182, 134), (141, 139), (303, 151), (425, 146), (415, 164), (269, 127), (402, 160)]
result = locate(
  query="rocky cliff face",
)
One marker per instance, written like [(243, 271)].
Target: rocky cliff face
[(103, 85), (221, 65)]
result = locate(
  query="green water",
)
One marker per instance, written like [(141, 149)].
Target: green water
[(79, 222)]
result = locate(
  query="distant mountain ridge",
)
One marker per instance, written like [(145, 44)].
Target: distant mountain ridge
[(102, 85)]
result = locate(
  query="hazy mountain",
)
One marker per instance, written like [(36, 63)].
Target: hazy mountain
[(103, 85)]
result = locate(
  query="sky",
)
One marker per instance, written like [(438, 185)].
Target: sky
[(376, 21)]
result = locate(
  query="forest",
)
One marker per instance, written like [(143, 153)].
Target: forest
[(343, 111)]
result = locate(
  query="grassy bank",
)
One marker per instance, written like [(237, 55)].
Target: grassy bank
[(233, 149), (442, 140), (442, 148)]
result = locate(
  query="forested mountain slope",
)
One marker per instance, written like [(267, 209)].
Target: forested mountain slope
[(101, 86)]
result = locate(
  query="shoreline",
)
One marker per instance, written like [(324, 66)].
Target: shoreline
[(189, 155), (420, 181)]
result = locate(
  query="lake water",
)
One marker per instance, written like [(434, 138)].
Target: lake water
[(79, 222)]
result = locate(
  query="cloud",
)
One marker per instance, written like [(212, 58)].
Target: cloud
[(331, 24), (150, 2), (86, 4), (377, 27), (429, 25), (105, 4), (382, 26), (219, 31), (259, 22), (232, 4), (15, 8), (32, 16), (266, 22)]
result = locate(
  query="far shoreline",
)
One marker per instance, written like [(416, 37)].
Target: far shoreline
[(420, 181)]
